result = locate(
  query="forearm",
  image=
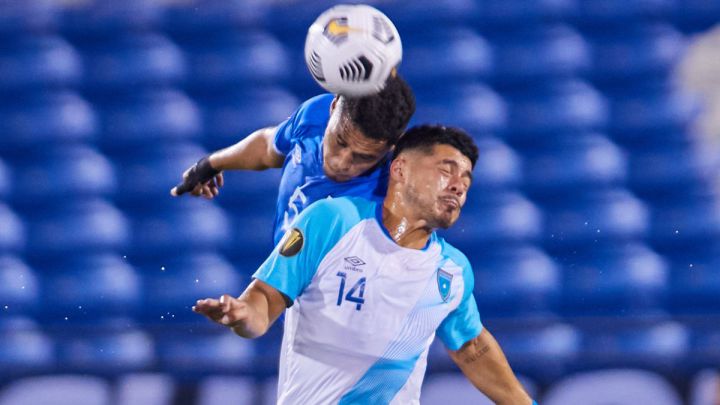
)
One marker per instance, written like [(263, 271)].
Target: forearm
[(255, 152), (484, 363), (262, 306)]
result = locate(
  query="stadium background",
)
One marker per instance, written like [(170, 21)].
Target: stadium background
[(593, 225)]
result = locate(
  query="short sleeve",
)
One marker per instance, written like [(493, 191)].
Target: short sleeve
[(463, 323), (314, 112), (293, 263)]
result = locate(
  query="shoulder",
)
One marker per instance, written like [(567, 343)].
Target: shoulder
[(450, 252), (314, 111)]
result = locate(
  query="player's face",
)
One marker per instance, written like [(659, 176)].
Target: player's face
[(437, 185), (347, 152)]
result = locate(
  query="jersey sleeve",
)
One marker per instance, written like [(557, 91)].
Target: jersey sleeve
[(292, 264), (311, 112), (463, 323)]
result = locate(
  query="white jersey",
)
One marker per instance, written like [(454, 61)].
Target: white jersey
[(364, 310)]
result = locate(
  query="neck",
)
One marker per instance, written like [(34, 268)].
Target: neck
[(405, 229)]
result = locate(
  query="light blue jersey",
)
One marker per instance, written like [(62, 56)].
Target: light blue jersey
[(303, 181), (364, 309)]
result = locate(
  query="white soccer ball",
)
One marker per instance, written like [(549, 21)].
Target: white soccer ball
[(352, 50)]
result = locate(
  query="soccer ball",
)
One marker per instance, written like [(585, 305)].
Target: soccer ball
[(352, 50)]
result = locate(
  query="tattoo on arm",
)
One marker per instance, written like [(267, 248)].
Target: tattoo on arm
[(476, 355)]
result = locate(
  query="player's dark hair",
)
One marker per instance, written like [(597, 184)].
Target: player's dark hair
[(424, 137), (384, 115)]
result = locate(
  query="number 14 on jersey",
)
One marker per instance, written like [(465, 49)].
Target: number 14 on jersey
[(355, 294)]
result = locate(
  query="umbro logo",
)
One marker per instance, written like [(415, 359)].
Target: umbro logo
[(352, 263)]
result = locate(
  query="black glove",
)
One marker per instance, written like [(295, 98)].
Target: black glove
[(200, 173)]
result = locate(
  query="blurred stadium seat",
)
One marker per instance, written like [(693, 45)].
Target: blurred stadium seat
[(623, 11), (27, 16), (221, 352), (539, 53), (33, 62), (76, 228), (189, 224), (441, 388), (621, 281), (149, 118), (695, 283), (446, 55), (19, 287), (5, 180), (93, 18), (648, 109), (498, 14), (90, 287), (51, 118), (58, 390), (145, 389), (195, 17), (498, 166), (217, 389), (173, 285), (124, 349), (12, 232), (25, 349), (619, 387), (53, 173), (516, 282), (127, 62)]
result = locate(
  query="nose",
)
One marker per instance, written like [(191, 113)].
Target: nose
[(457, 186), (343, 161)]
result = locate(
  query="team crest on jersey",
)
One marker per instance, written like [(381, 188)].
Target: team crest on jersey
[(444, 280), (292, 243)]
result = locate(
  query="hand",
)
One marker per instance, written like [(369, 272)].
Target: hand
[(201, 179), (227, 311)]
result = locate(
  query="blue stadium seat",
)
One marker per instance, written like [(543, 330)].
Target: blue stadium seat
[(498, 166), (76, 228), (697, 15), (56, 173), (146, 175), (25, 348), (579, 164), (175, 282), (659, 346), (108, 352), (252, 240), (623, 11), (235, 59), (687, 223), (55, 117), (595, 219), (410, 17), (199, 16), (670, 168), (650, 109), (39, 61), (445, 55), (19, 287), (557, 108), (85, 20), (631, 279), (90, 287), (199, 353), (148, 118), (495, 219), (619, 387), (250, 193), (145, 388), (6, 183), (440, 388), (12, 231), (232, 115), (187, 224), (471, 106), (635, 52), (541, 352), (216, 389), (539, 53), (517, 282), (501, 13), (695, 285), (62, 389), (129, 61), (27, 16)]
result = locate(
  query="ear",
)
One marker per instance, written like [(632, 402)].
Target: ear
[(334, 103), (398, 169)]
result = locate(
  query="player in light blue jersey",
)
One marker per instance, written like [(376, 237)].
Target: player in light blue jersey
[(331, 146), (368, 285)]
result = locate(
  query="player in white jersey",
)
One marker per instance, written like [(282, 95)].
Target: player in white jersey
[(368, 285)]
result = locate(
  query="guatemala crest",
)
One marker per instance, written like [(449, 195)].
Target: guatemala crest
[(444, 280)]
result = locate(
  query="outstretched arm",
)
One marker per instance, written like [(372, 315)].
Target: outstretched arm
[(249, 315), (483, 362), (255, 152)]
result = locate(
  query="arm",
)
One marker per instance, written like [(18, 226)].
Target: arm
[(255, 152), (483, 362), (249, 315)]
